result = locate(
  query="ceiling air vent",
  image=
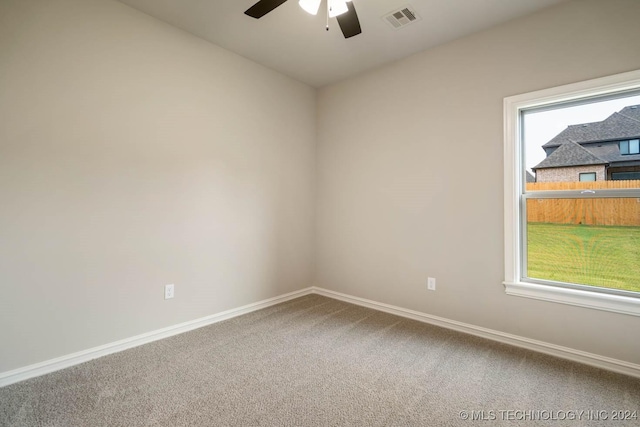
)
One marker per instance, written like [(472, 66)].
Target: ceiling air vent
[(401, 17)]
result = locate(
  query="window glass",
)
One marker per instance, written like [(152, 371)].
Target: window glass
[(579, 239), (625, 176), (594, 242), (624, 147), (634, 146), (587, 176)]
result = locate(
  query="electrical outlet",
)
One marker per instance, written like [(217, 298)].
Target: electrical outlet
[(431, 283), (168, 291)]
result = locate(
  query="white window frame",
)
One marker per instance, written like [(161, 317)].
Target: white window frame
[(514, 181)]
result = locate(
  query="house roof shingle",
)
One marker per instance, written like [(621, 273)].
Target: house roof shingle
[(632, 111), (570, 154), (619, 125), (611, 153), (529, 177)]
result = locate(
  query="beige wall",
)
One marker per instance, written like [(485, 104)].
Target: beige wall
[(133, 155), (410, 172), (569, 174)]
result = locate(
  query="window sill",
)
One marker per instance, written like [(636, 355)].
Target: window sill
[(595, 300)]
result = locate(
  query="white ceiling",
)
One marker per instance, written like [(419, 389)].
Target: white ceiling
[(295, 43)]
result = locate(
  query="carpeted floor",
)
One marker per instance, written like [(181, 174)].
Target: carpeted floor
[(315, 361)]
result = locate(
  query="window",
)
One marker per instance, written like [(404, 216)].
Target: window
[(587, 176), (568, 241), (630, 147), (625, 176)]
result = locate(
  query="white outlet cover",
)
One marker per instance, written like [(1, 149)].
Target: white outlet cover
[(168, 291), (431, 284)]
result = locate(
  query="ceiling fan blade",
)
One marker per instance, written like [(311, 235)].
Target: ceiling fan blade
[(349, 23), (263, 7)]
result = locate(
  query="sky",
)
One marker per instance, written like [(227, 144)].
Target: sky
[(541, 127)]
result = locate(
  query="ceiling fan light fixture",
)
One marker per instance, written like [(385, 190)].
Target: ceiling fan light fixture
[(343, 10), (337, 7), (310, 6)]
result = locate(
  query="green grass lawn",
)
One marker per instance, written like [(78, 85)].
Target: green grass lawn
[(590, 255)]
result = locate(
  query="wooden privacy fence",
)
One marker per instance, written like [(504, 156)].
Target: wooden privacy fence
[(612, 211)]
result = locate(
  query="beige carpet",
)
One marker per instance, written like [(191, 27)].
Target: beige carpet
[(315, 361)]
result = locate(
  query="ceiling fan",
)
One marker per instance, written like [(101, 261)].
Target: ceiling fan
[(342, 10)]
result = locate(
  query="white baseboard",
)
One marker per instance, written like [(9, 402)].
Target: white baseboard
[(591, 359), (56, 364), (48, 366)]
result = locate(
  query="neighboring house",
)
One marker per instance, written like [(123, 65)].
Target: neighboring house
[(598, 151), (530, 177)]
